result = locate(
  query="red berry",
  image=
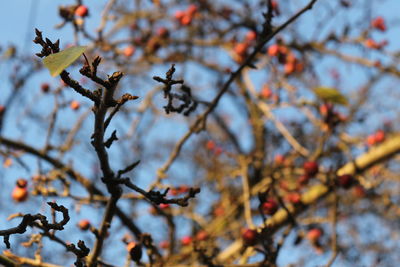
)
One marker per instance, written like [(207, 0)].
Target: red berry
[(135, 251), (186, 240), (379, 136), (210, 145), (218, 151), (359, 191), (164, 206), (163, 32), (275, 7), (294, 198), (314, 234), (183, 189), (303, 179), (249, 237), (179, 14), (45, 87), (379, 24), (311, 168), (173, 191), (279, 159), (19, 194), (219, 211), (346, 181), (269, 207), (201, 235), (325, 109), (82, 11), (164, 244), (84, 224), (191, 10)]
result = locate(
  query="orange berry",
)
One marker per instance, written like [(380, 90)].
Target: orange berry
[(84, 224), (241, 49), (266, 92), (273, 50), (129, 51), (179, 14), (186, 20), (19, 194), (251, 36), (299, 66), (289, 68), (314, 234), (371, 140), (284, 50), (279, 159), (325, 109), (82, 11), (7, 162), (74, 105), (370, 43)]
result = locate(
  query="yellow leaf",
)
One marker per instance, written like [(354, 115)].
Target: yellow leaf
[(57, 62), (330, 95)]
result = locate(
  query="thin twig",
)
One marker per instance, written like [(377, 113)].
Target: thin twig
[(246, 194), (200, 121)]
